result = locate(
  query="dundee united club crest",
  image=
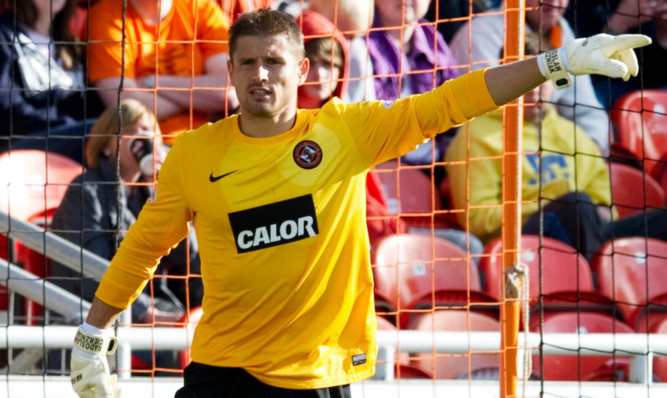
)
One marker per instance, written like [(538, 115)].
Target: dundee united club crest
[(307, 154)]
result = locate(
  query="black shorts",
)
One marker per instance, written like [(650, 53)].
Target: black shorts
[(204, 381)]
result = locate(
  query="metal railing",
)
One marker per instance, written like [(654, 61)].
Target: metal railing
[(640, 347), (48, 295)]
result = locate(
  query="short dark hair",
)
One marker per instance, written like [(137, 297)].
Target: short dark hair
[(266, 22)]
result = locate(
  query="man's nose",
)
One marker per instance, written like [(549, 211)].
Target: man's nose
[(262, 73)]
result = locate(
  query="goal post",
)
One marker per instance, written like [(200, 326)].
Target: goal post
[(511, 188)]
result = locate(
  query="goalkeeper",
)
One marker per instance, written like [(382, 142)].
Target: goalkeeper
[(277, 198)]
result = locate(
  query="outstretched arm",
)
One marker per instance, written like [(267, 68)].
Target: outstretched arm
[(601, 54), (163, 223), (510, 81)]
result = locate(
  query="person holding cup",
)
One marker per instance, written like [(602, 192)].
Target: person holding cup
[(101, 204)]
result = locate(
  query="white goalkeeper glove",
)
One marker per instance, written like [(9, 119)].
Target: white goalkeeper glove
[(89, 366), (601, 54)]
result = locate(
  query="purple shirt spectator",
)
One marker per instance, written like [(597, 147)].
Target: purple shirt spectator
[(386, 57)]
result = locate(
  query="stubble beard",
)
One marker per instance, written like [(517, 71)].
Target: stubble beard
[(259, 109)]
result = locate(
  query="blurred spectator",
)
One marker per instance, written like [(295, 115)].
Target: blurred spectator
[(232, 8), (561, 167), (326, 48), (570, 161), (42, 85), (410, 57), (101, 204), (485, 35), (649, 17), (353, 18), (175, 59), (445, 10)]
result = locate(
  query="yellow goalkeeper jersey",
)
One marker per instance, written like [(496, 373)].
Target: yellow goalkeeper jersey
[(280, 222)]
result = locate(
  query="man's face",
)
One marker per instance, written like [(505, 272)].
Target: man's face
[(392, 13), (266, 74), (548, 11)]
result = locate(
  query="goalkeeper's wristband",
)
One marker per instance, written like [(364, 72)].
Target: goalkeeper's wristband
[(95, 344), (553, 66)]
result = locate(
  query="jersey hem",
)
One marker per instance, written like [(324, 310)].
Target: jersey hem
[(317, 385)]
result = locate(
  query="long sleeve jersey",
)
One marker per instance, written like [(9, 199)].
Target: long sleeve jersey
[(281, 227)]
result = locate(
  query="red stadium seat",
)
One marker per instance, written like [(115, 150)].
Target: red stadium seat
[(632, 190), (658, 326), (633, 272), (416, 271), (379, 220), (567, 280), (32, 185), (385, 324), (475, 365), (411, 194), (403, 369), (641, 121), (33, 181), (575, 367)]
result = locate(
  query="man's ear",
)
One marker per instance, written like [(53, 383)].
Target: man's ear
[(304, 67), (229, 68)]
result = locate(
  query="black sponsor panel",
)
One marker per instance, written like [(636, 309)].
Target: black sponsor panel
[(274, 224)]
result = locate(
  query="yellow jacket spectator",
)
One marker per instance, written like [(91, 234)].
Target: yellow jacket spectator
[(561, 167), (570, 162)]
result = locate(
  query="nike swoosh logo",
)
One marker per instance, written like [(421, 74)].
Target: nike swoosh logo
[(214, 179)]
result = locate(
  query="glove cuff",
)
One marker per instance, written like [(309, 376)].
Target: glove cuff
[(553, 66), (94, 343)]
